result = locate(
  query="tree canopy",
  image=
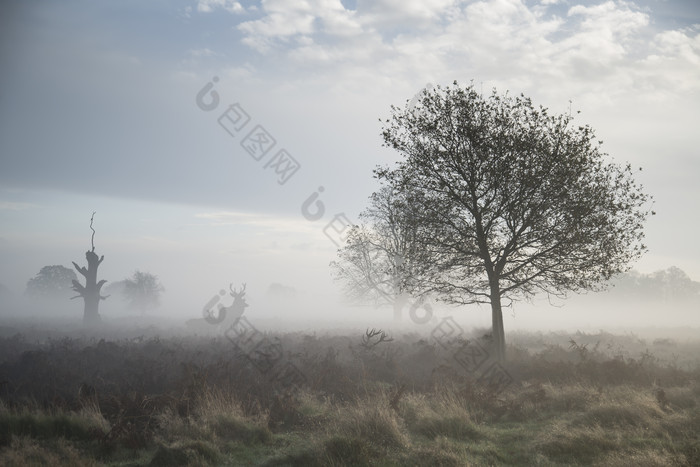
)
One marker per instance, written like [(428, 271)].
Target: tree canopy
[(142, 290), (51, 282), (514, 201)]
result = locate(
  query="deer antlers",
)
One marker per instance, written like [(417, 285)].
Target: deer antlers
[(235, 294), (369, 341)]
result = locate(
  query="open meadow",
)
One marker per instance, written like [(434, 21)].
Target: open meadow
[(145, 397)]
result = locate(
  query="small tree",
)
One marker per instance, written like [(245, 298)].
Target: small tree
[(375, 263), (90, 292), (51, 282), (142, 290), (517, 201)]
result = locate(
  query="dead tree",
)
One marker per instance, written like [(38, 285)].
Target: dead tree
[(90, 292)]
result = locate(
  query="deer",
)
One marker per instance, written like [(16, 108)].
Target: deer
[(232, 313), (369, 341), (226, 316)]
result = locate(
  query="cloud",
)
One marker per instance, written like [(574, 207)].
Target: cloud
[(205, 52), (260, 221), (207, 6), (414, 13), (583, 51), (282, 20), (677, 53), (11, 206)]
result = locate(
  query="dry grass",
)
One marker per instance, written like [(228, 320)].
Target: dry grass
[(565, 407), (28, 452), (371, 420), (640, 458)]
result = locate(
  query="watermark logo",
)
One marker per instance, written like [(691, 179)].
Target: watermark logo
[(234, 119), (284, 165), (234, 311), (208, 94), (471, 356), (446, 330), (496, 378), (421, 317), (338, 228), (258, 142), (208, 312), (312, 208), (476, 361)]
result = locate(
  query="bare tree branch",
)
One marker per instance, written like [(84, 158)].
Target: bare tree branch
[(92, 240)]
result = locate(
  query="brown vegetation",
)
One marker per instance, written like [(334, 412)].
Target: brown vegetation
[(575, 399)]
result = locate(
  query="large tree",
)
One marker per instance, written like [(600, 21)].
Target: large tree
[(516, 201), (376, 261)]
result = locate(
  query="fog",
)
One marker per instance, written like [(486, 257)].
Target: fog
[(111, 109), (311, 307)]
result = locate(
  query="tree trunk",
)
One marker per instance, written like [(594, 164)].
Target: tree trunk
[(399, 304), (90, 292), (497, 331)]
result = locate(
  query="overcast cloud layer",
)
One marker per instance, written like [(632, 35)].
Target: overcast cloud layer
[(98, 112)]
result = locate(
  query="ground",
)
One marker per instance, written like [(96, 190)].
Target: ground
[(145, 397)]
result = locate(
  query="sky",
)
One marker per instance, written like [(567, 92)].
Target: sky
[(227, 142)]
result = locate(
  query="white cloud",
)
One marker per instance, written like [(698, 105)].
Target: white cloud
[(595, 53), (202, 52), (285, 19), (414, 13), (675, 62), (207, 6)]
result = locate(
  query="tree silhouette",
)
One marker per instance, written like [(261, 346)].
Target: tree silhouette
[(90, 292), (51, 282), (516, 201), (375, 263), (142, 290), (671, 284)]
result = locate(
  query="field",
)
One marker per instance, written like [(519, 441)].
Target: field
[(346, 398)]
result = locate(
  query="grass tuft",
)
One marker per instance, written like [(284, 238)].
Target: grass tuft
[(189, 453), (585, 445), (453, 427), (348, 451), (234, 429), (27, 452), (375, 422), (47, 426)]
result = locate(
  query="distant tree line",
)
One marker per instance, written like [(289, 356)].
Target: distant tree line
[(671, 284), (142, 291)]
